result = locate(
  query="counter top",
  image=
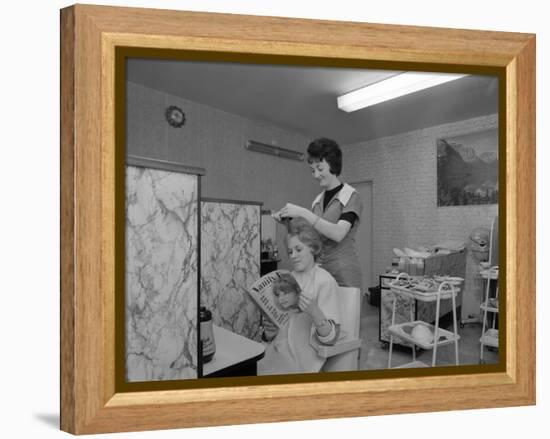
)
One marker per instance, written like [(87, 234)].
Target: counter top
[(232, 350)]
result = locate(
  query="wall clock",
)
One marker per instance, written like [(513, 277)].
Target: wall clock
[(175, 116)]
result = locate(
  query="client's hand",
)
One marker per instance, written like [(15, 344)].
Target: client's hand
[(270, 329), (310, 307)]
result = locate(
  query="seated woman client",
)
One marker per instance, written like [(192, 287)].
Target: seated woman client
[(310, 293)]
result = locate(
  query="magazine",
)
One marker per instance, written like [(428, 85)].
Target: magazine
[(261, 292)]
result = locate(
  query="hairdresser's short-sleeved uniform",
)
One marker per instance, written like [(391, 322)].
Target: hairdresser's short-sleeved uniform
[(340, 258)]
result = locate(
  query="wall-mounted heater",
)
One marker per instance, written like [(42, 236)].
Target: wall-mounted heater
[(252, 145)]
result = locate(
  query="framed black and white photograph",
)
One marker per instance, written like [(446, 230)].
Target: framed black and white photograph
[(205, 185), (467, 169), (269, 223)]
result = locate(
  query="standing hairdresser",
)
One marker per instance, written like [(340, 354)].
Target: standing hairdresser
[(335, 213)]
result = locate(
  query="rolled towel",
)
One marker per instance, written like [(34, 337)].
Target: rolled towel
[(416, 254), (399, 252), (450, 245)]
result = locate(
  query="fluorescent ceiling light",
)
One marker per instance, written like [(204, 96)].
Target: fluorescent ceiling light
[(391, 88), (265, 148)]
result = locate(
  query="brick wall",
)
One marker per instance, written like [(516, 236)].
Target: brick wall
[(403, 169)]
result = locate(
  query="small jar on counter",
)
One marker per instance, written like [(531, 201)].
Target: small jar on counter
[(208, 344)]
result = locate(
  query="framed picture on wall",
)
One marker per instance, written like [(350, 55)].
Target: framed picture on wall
[(163, 197), (467, 169)]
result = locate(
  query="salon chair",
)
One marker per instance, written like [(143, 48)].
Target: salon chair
[(344, 354)]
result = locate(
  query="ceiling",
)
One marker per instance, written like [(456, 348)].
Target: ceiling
[(303, 99)]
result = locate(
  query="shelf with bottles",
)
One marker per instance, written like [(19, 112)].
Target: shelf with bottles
[(269, 251)]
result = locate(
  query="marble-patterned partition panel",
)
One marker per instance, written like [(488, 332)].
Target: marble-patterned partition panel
[(161, 274), (230, 263)]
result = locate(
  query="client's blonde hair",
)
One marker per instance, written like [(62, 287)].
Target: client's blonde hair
[(305, 232)]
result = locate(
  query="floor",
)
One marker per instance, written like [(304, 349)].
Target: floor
[(375, 356)]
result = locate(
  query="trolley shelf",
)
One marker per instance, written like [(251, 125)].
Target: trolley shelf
[(490, 338), (404, 330), (490, 308), (412, 365), (423, 296), (489, 274), (427, 291)]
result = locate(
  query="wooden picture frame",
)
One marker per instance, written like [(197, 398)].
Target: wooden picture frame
[(90, 35)]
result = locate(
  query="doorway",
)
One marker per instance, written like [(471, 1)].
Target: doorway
[(363, 239)]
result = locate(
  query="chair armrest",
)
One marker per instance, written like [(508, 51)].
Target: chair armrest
[(343, 345)]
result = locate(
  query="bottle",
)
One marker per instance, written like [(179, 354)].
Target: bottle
[(208, 344), (420, 266), (395, 263)]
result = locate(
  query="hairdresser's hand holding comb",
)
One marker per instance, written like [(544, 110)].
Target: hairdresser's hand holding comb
[(289, 211)]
